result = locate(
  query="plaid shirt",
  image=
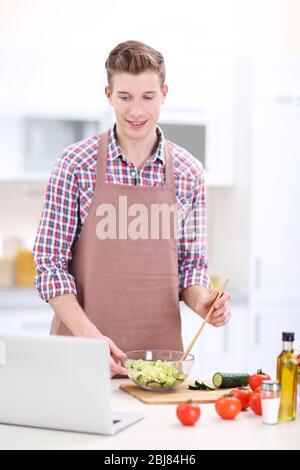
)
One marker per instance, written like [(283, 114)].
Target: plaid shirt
[(69, 195)]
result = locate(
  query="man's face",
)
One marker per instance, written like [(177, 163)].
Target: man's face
[(136, 100)]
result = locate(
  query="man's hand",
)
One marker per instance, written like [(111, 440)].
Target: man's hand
[(221, 314), (200, 300), (71, 314), (116, 358)]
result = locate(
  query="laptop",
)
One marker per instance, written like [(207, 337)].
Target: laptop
[(58, 382)]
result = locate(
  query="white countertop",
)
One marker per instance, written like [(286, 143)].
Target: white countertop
[(160, 430)]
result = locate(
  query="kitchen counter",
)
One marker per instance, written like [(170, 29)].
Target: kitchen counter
[(160, 429)]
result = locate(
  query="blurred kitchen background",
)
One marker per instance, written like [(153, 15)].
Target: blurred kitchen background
[(233, 70)]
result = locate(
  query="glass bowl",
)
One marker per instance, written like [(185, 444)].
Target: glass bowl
[(157, 370)]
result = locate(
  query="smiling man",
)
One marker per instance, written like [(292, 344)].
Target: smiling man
[(105, 272)]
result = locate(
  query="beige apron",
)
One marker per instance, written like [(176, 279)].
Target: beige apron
[(128, 288)]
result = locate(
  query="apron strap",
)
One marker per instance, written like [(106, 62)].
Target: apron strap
[(170, 177), (102, 162), (102, 159)]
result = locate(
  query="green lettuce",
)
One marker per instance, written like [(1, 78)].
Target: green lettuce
[(155, 374)]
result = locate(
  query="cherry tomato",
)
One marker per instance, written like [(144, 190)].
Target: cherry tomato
[(243, 394), (255, 380), (228, 406), (255, 403), (188, 413)]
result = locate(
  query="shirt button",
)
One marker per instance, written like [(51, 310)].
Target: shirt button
[(132, 173)]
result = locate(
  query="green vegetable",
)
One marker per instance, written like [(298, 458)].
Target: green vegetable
[(230, 380), (201, 385), (194, 387), (209, 386), (154, 374)]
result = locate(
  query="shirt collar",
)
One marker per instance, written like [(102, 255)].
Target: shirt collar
[(114, 150)]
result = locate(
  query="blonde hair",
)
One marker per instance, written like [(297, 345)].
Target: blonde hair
[(134, 57)]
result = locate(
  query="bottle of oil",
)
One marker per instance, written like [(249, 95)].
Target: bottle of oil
[(287, 376)]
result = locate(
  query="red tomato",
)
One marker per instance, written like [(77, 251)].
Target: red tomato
[(255, 380), (188, 413), (255, 403), (228, 406), (243, 394)]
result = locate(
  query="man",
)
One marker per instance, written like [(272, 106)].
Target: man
[(105, 273)]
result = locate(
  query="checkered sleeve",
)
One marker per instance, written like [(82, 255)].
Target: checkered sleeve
[(192, 258), (56, 232)]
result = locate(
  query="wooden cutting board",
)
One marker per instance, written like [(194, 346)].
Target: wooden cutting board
[(181, 394)]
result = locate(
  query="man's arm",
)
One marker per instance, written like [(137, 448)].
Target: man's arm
[(73, 317), (195, 285), (52, 253), (56, 232), (67, 308), (199, 299), (192, 258)]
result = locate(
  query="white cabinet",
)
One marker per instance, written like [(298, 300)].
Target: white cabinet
[(22, 311), (266, 324), (30, 146), (275, 203), (11, 146), (275, 176), (208, 134), (25, 321), (273, 118), (34, 83), (201, 104), (47, 102), (217, 349)]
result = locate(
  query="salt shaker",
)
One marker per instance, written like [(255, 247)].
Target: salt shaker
[(270, 400)]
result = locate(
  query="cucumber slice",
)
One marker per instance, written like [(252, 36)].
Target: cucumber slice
[(194, 387), (200, 384), (209, 386), (230, 380)]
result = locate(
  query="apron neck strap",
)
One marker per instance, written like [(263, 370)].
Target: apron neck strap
[(102, 159), (170, 178), (102, 162)]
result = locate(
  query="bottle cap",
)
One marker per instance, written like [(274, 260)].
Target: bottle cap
[(270, 386), (288, 336)]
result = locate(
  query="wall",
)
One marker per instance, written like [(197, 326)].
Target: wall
[(204, 25)]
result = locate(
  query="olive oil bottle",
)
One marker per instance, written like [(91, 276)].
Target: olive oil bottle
[(287, 376)]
